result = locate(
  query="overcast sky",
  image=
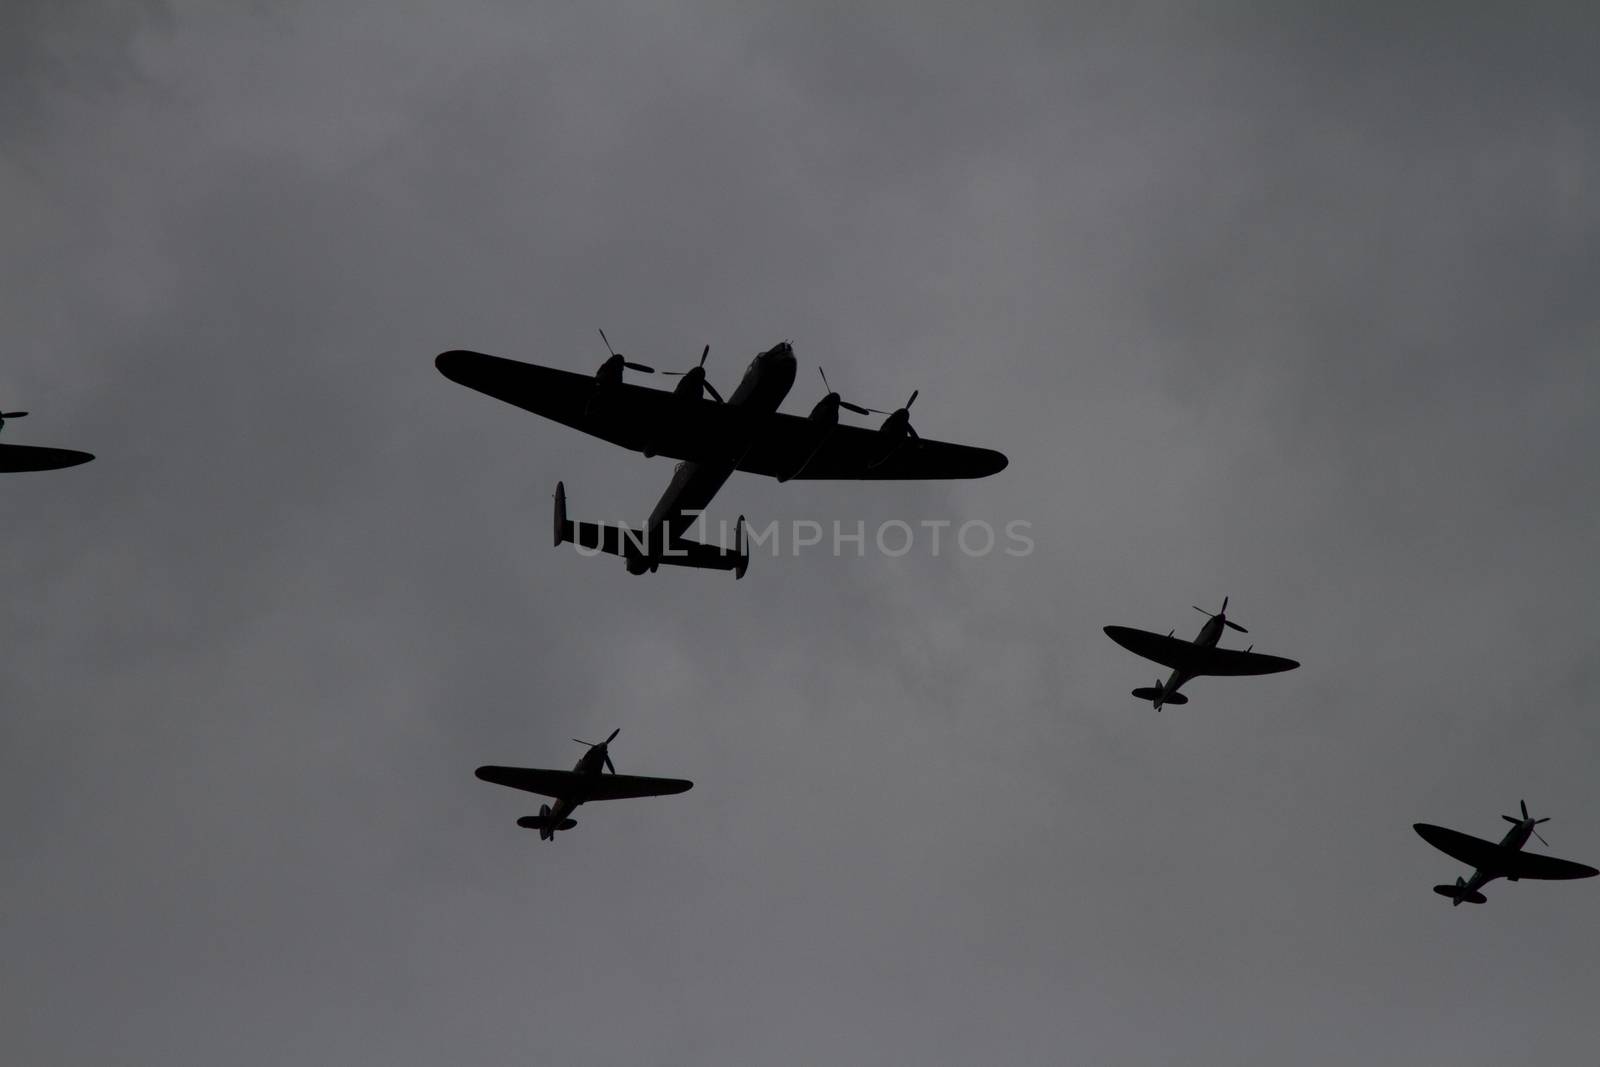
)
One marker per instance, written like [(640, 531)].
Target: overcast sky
[(1297, 309)]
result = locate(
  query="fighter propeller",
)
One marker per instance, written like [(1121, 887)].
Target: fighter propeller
[(1527, 819), (694, 379), (605, 752), (1221, 615)]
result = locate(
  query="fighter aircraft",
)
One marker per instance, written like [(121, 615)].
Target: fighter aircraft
[(14, 458), (1491, 861), (583, 783), (713, 438), (1191, 659)]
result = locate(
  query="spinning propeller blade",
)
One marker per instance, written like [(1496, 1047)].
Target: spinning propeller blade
[(698, 372), (1526, 818), (1222, 614), (857, 408), (701, 366), (625, 362), (603, 746)]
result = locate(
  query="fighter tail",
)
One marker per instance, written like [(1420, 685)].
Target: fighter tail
[(1158, 696), (1459, 892), (543, 823)]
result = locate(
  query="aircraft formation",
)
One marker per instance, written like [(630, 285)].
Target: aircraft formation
[(712, 437)]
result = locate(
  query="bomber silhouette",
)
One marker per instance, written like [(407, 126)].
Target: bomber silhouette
[(1504, 860), (583, 783), (713, 438), (18, 458), (1191, 659)]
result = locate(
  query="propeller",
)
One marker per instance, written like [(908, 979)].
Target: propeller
[(4, 415), (605, 752), (698, 373), (833, 395), (1527, 819), (900, 418), (1223, 615), (618, 356)]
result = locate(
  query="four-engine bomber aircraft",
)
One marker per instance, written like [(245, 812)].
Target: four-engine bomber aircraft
[(16, 458), (1191, 659), (583, 783), (713, 438), (1490, 861)]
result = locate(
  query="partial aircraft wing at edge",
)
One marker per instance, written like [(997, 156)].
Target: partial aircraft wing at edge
[(1183, 655), (17, 458), (638, 418), (552, 783)]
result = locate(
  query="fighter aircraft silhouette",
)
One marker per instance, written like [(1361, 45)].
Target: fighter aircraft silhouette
[(16, 458), (583, 783), (713, 438), (1191, 659), (1491, 861)]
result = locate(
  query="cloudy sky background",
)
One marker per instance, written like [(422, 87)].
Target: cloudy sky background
[(1294, 308)]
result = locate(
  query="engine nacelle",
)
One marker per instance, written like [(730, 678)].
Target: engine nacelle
[(827, 410)]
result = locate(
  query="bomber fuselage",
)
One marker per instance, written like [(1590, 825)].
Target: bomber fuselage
[(696, 482)]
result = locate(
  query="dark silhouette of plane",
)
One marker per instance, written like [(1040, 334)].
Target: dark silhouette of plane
[(1490, 861), (1191, 659), (713, 438), (583, 783), (16, 458)]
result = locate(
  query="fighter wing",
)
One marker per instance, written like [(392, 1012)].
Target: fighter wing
[(1232, 662), (1473, 851), (1187, 656), (625, 414), (15, 458), (582, 787), (1476, 852), (788, 446), (782, 446), (1533, 865)]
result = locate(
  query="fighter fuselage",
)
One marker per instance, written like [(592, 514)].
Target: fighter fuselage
[(1208, 637)]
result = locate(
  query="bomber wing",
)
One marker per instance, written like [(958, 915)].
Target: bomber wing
[(1195, 659), (782, 446), (582, 787), (16, 458), (628, 415), (789, 446)]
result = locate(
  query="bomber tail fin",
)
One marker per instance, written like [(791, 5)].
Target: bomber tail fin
[(563, 525), (641, 553)]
